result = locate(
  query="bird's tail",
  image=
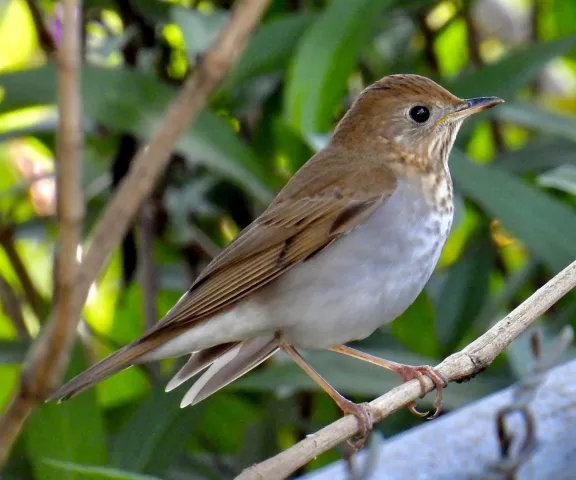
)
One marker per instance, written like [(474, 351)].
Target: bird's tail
[(118, 361), (232, 362), (227, 362)]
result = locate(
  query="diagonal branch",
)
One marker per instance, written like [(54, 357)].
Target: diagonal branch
[(458, 367), (10, 303), (49, 356), (37, 303), (153, 156), (45, 38)]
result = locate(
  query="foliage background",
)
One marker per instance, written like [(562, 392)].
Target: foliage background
[(514, 170)]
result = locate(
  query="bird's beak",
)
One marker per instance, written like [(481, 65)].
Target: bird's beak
[(469, 107)]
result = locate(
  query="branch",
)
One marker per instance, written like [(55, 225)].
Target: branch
[(47, 358), (12, 308), (148, 273), (54, 346), (460, 366), (477, 61), (33, 297), (152, 158), (45, 38)]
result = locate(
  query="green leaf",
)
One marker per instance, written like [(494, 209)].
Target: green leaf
[(418, 318), (88, 472), (511, 73), (326, 56), (505, 77), (270, 48), (537, 156), (198, 29), (70, 432), (546, 226), (562, 178), (464, 291), (533, 116), (155, 434), (13, 352), (224, 421), (134, 102), (499, 304)]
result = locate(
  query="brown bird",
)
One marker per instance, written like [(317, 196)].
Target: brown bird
[(345, 247)]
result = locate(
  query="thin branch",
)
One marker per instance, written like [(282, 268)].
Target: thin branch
[(48, 356), (147, 266), (458, 367), (148, 273), (429, 37), (476, 60), (33, 297), (54, 345), (152, 158), (45, 38), (12, 308)]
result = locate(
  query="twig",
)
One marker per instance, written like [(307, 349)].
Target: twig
[(204, 241), (33, 298), (12, 308), (460, 366), (429, 37), (150, 159), (38, 378), (45, 38), (147, 273), (147, 266), (48, 356), (476, 60)]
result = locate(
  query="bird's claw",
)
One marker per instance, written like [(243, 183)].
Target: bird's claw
[(365, 416), (409, 373)]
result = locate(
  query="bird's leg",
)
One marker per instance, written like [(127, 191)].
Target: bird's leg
[(407, 372), (362, 411)]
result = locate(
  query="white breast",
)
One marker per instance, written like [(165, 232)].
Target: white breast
[(365, 279)]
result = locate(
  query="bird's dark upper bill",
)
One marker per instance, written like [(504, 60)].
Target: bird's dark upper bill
[(482, 103), (471, 106)]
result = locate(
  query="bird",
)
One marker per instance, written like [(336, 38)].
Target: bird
[(345, 247)]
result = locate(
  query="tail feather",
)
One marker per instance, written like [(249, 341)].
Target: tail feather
[(235, 362), (198, 361), (118, 361)]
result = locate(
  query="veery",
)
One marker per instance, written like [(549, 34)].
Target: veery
[(345, 247)]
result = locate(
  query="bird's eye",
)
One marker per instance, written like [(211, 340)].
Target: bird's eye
[(419, 114)]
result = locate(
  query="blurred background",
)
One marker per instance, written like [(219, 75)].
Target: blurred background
[(514, 170)]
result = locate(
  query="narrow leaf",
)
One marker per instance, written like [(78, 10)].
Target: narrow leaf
[(270, 48), (546, 226), (537, 156), (464, 291), (535, 117), (512, 72), (72, 433), (88, 472), (561, 178), (326, 56)]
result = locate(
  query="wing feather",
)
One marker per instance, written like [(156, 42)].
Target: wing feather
[(282, 237)]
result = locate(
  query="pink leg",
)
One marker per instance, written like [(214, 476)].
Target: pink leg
[(362, 411), (407, 372)]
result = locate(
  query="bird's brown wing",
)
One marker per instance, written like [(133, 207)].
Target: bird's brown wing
[(294, 227), (286, 234)]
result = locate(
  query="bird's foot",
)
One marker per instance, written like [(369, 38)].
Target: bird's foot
[(408, 372), (365, 416)]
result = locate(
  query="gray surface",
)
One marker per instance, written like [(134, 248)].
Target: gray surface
[(464, 444)]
